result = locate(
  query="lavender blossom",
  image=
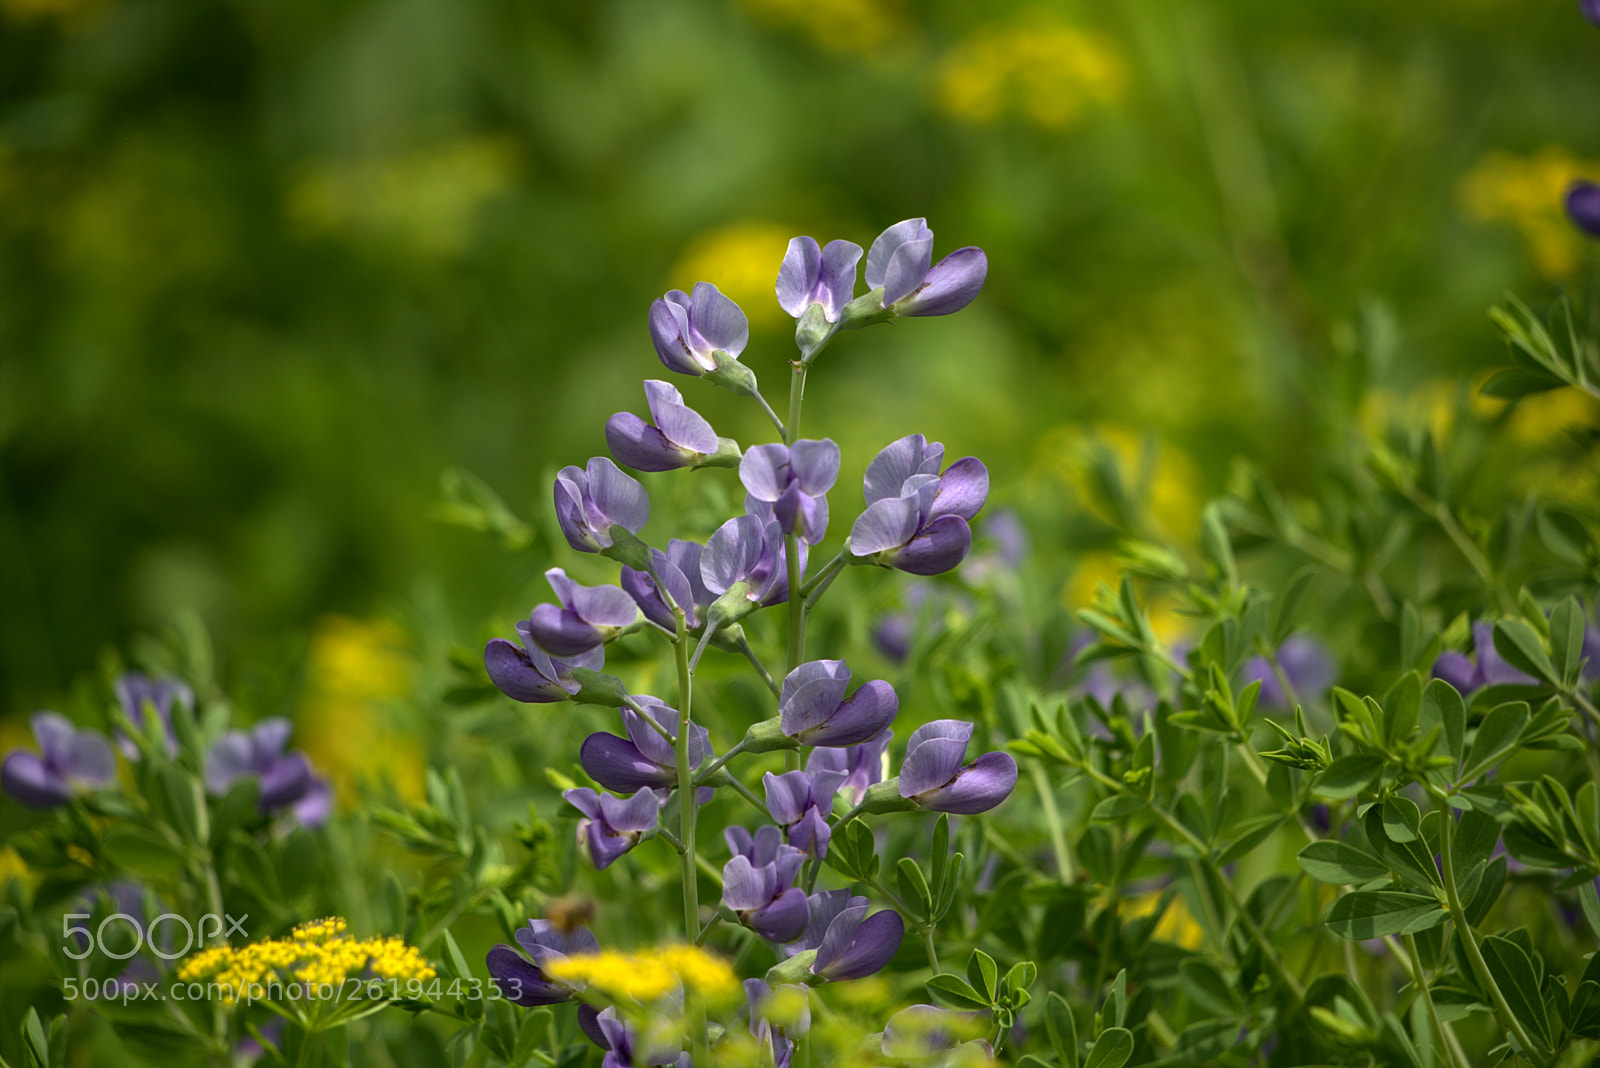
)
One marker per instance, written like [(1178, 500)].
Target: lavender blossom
[(856, 945), (899, 262), (1590, 10), (814, 710), (916, 519), (648, 596), (626, 1045), (588, 616), (756, 884), (781, 1036), (612, 825), (286, 778), (688, 331), (135, 691), (679, 438), (1486, 668), (1583, 198), (69, 761), (592, 502), (1304, 660), (644, 757), (748, 554), (812, 275), (861, 765), (527, 673), (799, 802), (793, 481), (527, 984), (934, 777)]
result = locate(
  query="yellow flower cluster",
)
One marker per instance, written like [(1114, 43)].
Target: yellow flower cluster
[(1034, 64), (743, 259), (315, 954), (1176, 925), (1528, 192), (649, 975)]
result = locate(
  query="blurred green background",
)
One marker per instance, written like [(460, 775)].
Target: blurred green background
[(267, 269)]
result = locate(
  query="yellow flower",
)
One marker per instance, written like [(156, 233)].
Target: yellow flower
[(1033, 64), (1527, 193), (315, 955), (1177, 925), (1160, 480), (649, 975)]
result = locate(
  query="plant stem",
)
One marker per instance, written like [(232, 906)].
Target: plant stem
[(1469, 937), (756, 393), (686, 805), (705, 636), (761, 669), (824, 579), (1052, 820), (745, 792), (933, 953), (715, 766), (1446, 1038)]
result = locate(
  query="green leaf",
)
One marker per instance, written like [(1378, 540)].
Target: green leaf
[(1473, 842), (1513, 973), (1520, 645), (941, 853), (1287, 603), (1208, 988), (1443, 706), (1565, 535), (1111, 1050), (982, 974), (1062, 1028), (1117, 807), (1349, 775), (1365, 914), (34, 1043), (1401, 819), (1497, 736), (1334, 862), (954, 992), (456, 962), (913, 886), (142, 851), (1411, 859), (1259, 831), (1566, 638), (1401, 705), (1490, 883)]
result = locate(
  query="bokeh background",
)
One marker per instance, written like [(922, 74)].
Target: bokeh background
[(282, 284)]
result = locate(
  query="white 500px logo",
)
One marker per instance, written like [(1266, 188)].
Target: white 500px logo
[(210, 925)]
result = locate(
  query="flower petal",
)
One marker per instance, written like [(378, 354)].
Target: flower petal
[(940, 547), (617, 764), (898, 461), (877, 939), (638, 813), (522, 983), (637, 444), (838, 281), (798, 274), (951, 285), (746, 886), (788, 795), (907, 270), (962, 490), (513, 673), (978, 787), (732, 552), (884, 247), (562, 633), (869, 710), (815, 465), (28, 779), (285, 781), (718, 320), (888, 523), (669, 331), (783, 920), (931, 764), (619, 497)]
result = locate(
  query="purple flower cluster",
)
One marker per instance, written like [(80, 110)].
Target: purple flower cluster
[(69, 762), (917, 519), (285, 778)]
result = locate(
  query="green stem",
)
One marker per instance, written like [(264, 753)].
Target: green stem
[(1052, 820), (1469, 937), (1446, 1039), (828, 569), (933, 953), (648, 718), (745, 792), (686, 805), (825, 579), (715, 766), (756, 393), (705, 636), (761, 669)]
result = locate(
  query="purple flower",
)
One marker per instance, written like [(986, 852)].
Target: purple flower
[(781, 1037), (934, 777), (527, 673), (799, 802), (899, 262), (69, 761), (656, 608), (527, 984), (756, 884), (286, 778), (892, 636), (680, 437), (814, 710), (916, 519), (855, 945), (825, 276), (626, 1046), (612, 825), (750, 551), (1591, 10), (135, 691), (1583, 199), (689, 330), (587, 618), (1490, 668), (1304, 660), (591, 501), (861, 765), (793, 481), (644, 757)]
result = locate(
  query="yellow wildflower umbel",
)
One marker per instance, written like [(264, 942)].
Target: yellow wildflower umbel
[(649, 975), (318, 976)]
